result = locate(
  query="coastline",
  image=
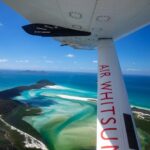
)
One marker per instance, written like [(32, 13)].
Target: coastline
[(141, 113), (14, 130), (139, 107), (61, 118), (28, 140)]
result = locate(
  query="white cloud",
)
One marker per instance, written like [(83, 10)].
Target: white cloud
[(133, 70), (22, 61), (3, 60), (70, 55), (95, 61)]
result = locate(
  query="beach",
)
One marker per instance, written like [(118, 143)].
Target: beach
[(63, 116)]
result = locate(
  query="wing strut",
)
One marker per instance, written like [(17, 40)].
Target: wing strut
[(115, 125)]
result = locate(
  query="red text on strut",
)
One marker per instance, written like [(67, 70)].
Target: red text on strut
[(107, 108)]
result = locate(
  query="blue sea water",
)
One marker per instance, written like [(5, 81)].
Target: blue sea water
[(68, 109), (138, 87)]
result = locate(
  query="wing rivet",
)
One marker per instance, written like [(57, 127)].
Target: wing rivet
[(75, 15), (103, 18)]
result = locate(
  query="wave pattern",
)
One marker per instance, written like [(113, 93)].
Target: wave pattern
[(68, 117)]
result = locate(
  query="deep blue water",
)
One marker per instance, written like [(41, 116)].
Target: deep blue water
[(86, 81), (138, 87)]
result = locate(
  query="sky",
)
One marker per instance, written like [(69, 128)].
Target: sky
[(20, 51)]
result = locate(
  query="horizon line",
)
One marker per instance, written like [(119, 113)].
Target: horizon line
[(30, 70)]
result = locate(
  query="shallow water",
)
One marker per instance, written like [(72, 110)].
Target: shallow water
[(65, 122), (68, 117)]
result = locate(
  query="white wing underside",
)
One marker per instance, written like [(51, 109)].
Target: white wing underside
[(103, 18)]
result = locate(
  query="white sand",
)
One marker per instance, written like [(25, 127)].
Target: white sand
[(57, 87), (29, 142), (75, 97)]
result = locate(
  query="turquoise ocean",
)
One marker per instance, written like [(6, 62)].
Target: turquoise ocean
[(138, 87), (68, 109)]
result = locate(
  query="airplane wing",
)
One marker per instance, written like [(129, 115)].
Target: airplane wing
[(101, 18)]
